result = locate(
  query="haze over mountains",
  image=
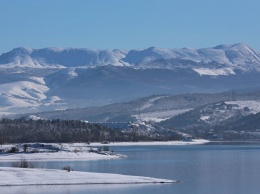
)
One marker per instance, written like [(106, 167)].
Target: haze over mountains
[(35, 80)]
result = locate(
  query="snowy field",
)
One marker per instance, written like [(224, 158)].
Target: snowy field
[(253, 105), (25, 177)]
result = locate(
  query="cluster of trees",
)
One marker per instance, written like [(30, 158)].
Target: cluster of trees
[(24, 130), (27, 130)]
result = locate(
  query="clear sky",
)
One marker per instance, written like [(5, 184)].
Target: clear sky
[(128, 24)]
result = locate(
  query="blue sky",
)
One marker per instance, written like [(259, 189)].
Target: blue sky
[(128, 24)]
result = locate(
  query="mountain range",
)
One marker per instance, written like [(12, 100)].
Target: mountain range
[(237, 56), (34, 80)]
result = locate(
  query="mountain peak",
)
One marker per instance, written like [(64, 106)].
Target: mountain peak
[(229, 46), (22, 50)]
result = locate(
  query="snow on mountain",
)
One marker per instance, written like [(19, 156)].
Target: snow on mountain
[(150, 103), (237, 53), (71, 77), (23, 90), (40, 80), (158, 116), (234, 57), (237, 56), (214, 72), (24, 94), (59, 57)]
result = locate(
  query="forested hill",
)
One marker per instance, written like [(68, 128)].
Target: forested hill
[(22, 130), (28, 130), (247, 123)]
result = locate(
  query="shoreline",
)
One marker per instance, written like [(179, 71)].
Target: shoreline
[(54, 152), (32, 177), (151, 143), (68, 152), (60, 156)]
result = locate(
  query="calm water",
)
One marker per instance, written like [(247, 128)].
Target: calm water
[(204, 169)]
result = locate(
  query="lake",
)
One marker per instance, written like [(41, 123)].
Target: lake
[(213, 168)]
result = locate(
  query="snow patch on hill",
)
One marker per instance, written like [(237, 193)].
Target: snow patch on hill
[(26, 91), (150, 103), (253, 105), (158, 116), (25, 95), (222, 111), (214, 72), (40, 80), (72, 73)]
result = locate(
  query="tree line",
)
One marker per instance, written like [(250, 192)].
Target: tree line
[(24, 130)]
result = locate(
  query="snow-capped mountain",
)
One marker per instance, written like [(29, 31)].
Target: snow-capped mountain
[(237, 56), (59, 57), (60, 78)]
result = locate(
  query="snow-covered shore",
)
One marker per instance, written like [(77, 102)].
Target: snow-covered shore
[(56, 156), (70, 152), (54, 152), (26, 176), (80, 151), (193, 142)]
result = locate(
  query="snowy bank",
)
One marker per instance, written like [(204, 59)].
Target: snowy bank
[(54, 152), (56, 156), (193, 142), (76, 151), (24, 177)]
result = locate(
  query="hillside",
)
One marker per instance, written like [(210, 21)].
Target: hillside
[(222, 120), (155, 108)]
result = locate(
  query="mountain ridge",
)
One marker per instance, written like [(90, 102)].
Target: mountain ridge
[(59, 78), (229, 55)]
